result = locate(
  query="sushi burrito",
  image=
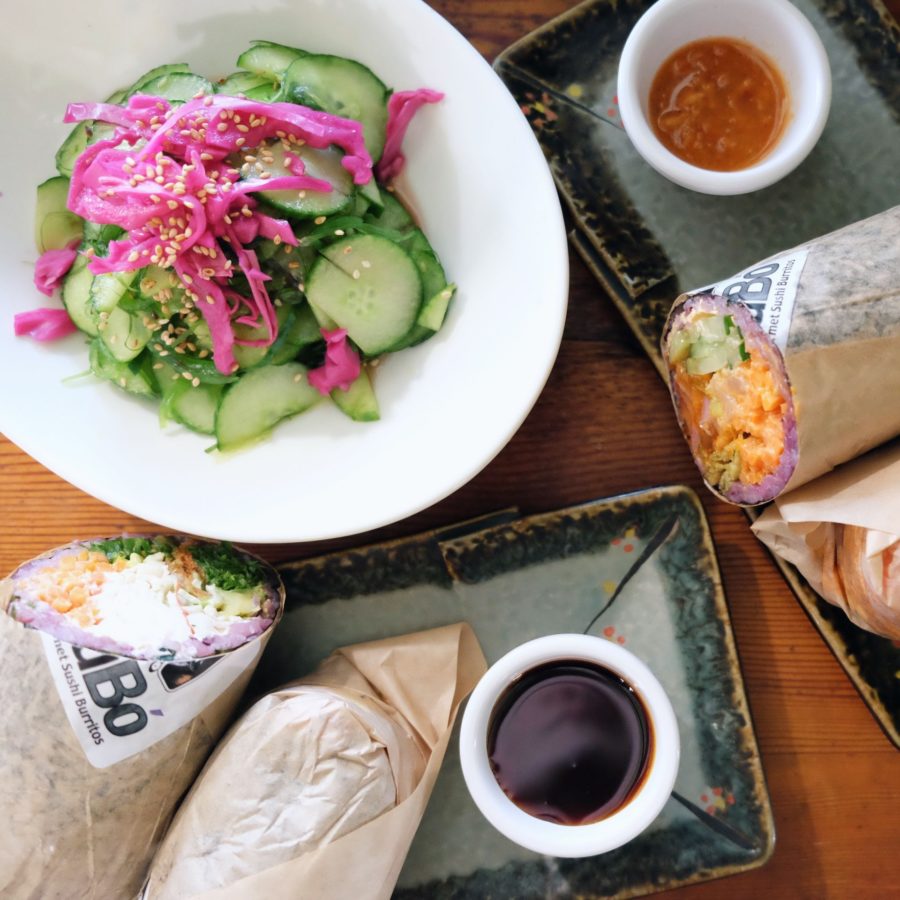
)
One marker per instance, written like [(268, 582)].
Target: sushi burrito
[(317, 791), (842, 532), (121, 662), (791, 367)]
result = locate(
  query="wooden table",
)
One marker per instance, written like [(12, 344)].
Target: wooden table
[(833, 776)]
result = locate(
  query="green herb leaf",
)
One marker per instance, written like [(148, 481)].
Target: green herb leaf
[(226, 568), (116, 548)]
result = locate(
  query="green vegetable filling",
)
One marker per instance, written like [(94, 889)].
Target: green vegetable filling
[(227, 569), (123, 548)]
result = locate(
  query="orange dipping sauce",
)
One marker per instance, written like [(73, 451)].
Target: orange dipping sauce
[(719, 103)]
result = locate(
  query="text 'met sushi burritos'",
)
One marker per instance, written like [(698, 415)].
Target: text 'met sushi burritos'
[(121, 662), (792, 366)]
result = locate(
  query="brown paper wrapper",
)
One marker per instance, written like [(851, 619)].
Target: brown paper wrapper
[(423, 677), (73, 831), (843, 346), (829, 528)]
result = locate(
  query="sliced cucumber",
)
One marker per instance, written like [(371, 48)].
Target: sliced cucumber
[(371, 194), (82, 135), (369, 286), (268, 59), (124, 335), (343, 87), (178, 87), (195, 407), (392, 215), (136, 377), (359, 401), (249, 85), (434, 309), (108, 289), (324, 320), (139, 85), (324, 164), (300, 330), (240, 83), (54, 226), (253, 406), (76, 297)]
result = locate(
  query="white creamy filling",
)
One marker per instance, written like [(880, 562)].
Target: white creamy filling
[(144, 607)]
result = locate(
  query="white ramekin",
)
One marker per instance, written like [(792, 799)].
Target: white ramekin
[(547, 837), (775, 27)]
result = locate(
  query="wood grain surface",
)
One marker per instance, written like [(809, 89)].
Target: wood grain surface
[(603, 426)]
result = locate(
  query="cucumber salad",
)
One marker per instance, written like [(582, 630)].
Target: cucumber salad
[(234, 249)]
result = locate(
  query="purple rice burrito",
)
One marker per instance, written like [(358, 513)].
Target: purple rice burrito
[(784, 371), (121, 663)]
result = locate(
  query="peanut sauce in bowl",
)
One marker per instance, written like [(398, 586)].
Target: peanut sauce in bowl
[(723, 98), (719, 103)]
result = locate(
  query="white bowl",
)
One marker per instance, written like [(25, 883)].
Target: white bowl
[(547, 837), (480, 186), (775, 27)]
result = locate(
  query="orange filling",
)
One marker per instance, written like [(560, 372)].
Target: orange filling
[(69, 585), (738, 416)]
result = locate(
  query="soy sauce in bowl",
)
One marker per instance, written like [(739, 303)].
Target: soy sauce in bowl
[(569, 742)]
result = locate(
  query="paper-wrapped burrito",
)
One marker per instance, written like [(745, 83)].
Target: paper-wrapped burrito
[(790, 368), (842, 532), (121, 663), (319, 788)]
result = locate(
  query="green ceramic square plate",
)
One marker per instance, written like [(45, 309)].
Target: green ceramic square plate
[(645, 563), (646, 239)]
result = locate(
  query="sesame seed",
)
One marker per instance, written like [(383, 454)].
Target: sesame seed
[(298, 377), (366, 264), (339, 232), (157, 366), (347, 249), (222, 126), (187, 376), (121, 382), (356, 273), (319, 220), (195, 382), (243, 129), (240, 142)]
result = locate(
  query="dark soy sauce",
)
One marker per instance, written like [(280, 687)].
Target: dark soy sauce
[(569, 742)]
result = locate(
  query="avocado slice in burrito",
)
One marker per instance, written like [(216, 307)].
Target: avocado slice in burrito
[(162, 597), (733, 398)]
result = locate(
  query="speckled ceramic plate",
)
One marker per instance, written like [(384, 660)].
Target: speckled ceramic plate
[(639, 570), (646, 239)]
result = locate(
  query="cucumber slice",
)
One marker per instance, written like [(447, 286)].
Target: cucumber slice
[(240, 83), (124, 335), (253, 406), (392, 215), (139, 85), (82, 135), (76, 297), (135, 377), (268, 59), (369, 191), (322, 318), (359, 401), (54, 226), (343, 87), (300, 330), (108, 289), (324, 164), (434, 309), (369, 286), (195, 407), (178, 87)]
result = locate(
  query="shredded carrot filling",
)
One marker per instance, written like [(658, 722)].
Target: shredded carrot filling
[(738, 415), (69, 585)]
